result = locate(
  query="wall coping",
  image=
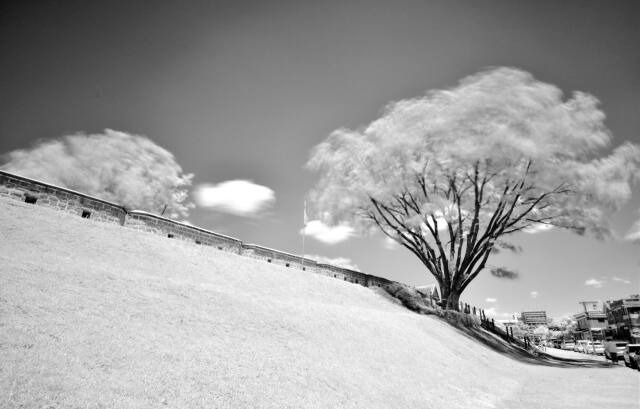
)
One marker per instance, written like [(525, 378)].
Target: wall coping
[(64, 189), (278, 251), (189, 226), (344, 268)]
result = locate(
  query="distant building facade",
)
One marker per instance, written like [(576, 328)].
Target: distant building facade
[(623, 318), (534, 318), (591, 322)]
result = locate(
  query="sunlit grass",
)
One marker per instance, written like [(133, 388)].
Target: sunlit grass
[(97, 315)]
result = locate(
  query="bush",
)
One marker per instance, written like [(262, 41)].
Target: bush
[(410, 298)]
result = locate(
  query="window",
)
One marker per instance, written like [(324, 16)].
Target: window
[(30, 199), (86, 214), (304, 269), (286, 265), (170, 235), (198, 242), (268, 260), (219, 247)]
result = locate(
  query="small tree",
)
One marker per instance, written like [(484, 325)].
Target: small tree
[(451, 174)]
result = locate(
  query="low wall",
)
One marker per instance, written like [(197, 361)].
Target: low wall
[(278, 257), (143, 221), (344, 274), (43, 194), (67, 200)]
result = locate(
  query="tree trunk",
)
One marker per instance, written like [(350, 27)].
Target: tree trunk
[(451, 299)]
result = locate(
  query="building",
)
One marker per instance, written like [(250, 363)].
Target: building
[(534, 318), (623, 319), (591, 322)]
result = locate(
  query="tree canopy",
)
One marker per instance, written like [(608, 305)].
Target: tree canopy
[(127, 169), (449, 174)]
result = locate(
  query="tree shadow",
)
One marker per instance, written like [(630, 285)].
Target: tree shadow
[(470, 326), (518, 353)]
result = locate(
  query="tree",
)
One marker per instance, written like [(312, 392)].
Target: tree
[(127, 169), (450, 175)]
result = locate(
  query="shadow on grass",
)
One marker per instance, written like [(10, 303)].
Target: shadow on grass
[(519, 353), (470, 327)]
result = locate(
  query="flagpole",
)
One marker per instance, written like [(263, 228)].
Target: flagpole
[(304, 230)]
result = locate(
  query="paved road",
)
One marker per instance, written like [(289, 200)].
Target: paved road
[(560, 353)]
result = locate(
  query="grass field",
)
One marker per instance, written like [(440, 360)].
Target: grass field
[(99, 316)]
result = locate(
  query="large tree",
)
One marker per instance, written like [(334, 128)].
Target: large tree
[(451, 174)]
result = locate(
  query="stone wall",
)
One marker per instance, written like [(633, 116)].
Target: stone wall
[(278, 257), (43, 194), (152, 223)]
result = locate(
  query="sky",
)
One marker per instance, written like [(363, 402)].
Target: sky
[(240, 92)]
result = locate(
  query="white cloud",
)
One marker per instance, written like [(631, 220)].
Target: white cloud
[(491, 312), (534, 294), (538, 228), (633, 234), (621, 280), (490, 299), (390, 244), (593, 282), (327, 234), (336, 261), (239, 197)]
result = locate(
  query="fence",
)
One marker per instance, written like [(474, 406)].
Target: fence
[(489, 324)]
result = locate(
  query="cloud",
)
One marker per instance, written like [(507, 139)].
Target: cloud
[(621, 280), (538, 228), (502, 272), (595, 283), (120, 167), (493, 312), (336, 261), (239, 197), (327, 234), (490, 299), (633, 234), (534, 294), (390, 244)]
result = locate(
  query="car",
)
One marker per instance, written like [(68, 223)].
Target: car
[(614, 350), (597, 348), (630, 355), (568, 345)]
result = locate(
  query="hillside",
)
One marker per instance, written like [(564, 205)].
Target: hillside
[(95, 315)]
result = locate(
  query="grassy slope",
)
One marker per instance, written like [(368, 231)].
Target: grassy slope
[(96, 315)]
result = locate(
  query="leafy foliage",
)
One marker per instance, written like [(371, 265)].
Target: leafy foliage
[(449, 174), (127, 169)]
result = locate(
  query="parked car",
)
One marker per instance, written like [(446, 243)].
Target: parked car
[(630, 355), (613, 350), (597, 348)]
